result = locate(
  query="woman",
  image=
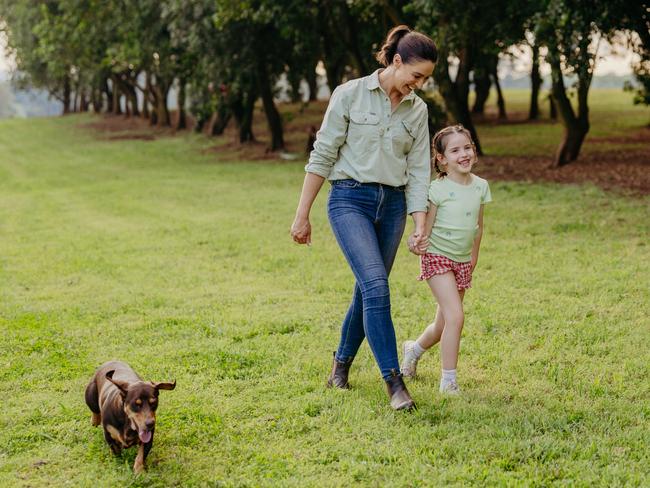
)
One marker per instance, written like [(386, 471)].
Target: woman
[(373, 147)]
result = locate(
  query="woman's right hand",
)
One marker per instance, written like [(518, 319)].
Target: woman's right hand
[(301, 230)]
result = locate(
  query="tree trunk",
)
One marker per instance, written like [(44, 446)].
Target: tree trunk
[(575, 127), (455, 93), (161, 90), (333, 59), (66, 95), (482, 84), (96, 100), (182, 117), (133, 98), (312, 81), (242, 109), (223, 116), (83, 102), (535, 85), (145, 96), (116, 109), (273, 117), (246, 125), (352, 41), (552, 107), (501, 103)]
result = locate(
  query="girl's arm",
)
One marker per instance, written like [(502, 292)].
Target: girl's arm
[(477, 239), (418, 243), (301, 227)]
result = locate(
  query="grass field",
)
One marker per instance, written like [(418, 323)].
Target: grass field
[(151, 252)]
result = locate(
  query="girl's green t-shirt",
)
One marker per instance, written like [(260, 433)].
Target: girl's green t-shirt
[(457, 214)]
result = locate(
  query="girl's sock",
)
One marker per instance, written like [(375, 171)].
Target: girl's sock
[(448, 376), (418, 350)]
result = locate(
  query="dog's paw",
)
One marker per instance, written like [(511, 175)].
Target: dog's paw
[(96, 419), (138, 467)]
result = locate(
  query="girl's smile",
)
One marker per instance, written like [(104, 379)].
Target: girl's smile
[(459, 157)]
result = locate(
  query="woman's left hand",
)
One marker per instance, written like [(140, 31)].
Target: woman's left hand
[(417, 243)]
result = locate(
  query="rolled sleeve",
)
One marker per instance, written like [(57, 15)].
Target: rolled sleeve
[(331, 136), (418, 164)]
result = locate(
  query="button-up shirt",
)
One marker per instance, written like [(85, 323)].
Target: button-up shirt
[(363, 138)]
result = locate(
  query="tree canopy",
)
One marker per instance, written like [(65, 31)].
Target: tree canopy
[(222, 56)]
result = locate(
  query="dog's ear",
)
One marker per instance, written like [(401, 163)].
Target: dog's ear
[(122, 385), (164, 386)]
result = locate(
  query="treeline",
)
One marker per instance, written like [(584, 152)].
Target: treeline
[(224, 55)]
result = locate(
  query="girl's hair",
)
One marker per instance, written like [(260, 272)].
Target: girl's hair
[(439, 144), (410, 45)]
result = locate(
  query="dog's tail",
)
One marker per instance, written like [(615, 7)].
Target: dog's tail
[(92, 396)]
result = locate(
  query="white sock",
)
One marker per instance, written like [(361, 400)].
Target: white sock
[(448, 376), (418, 350)]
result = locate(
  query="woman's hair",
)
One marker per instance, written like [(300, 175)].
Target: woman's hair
[(410, 45), (439, 144)]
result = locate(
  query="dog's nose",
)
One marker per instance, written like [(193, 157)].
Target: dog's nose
[(149, 424)]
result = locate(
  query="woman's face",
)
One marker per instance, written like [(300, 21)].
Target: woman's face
[(411, 76)]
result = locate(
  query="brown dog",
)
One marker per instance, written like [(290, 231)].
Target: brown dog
[(126, 407)]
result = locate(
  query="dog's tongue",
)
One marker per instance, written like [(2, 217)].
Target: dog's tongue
[(145, 436)]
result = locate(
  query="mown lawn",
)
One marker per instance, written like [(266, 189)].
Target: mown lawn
[(613, 119), (151, 252)]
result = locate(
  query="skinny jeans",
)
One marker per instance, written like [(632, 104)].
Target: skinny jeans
[(368, 220)]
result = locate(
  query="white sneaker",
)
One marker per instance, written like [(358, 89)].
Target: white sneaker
[(409, 360), (450, 388)]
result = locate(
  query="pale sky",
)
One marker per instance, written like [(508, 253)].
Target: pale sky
[(611, 59)]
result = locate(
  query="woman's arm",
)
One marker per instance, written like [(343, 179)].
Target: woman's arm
[(477, 240), (419, 242), (329, 140), (301, 227)]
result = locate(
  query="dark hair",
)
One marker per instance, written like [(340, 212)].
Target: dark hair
[(410, 45), (438, 145)]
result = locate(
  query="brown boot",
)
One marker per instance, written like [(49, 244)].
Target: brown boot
[(399, 395), (339, 376)]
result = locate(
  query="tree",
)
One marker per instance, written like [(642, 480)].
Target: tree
[(570, 29)]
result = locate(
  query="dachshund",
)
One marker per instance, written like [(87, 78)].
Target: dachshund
[(126, 407)]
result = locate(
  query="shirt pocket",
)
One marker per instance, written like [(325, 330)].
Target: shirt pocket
[(403, 137), (363, 131)]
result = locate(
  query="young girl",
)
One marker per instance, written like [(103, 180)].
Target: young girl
[(454, 224)]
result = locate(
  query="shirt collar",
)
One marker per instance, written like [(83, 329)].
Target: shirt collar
[(373, 84)]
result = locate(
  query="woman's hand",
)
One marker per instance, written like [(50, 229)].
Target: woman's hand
[(417, 243), (301, 230)]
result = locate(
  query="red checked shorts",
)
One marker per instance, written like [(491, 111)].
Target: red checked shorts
[(435, 264)]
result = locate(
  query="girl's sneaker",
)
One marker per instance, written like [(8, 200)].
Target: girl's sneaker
[(409, 360), (450, 388)]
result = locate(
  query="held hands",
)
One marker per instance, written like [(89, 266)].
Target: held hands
[(301, 230), (418, 243)]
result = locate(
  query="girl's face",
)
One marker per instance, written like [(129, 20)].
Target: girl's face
[(459, 155), (411, 76)]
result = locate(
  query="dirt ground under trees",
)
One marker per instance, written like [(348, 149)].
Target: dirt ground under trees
[(621, 170)]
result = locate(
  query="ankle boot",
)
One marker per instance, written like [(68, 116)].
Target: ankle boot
[(399, 395), (339, 376)]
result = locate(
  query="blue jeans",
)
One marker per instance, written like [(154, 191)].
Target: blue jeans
[(368, 220)]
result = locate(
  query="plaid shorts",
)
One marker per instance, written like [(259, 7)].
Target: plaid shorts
[(435, 264)]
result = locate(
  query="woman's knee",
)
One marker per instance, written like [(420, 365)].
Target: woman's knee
[(375, 288)]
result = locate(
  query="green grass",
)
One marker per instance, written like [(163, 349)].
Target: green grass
[(612, 116), (151, 252)]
